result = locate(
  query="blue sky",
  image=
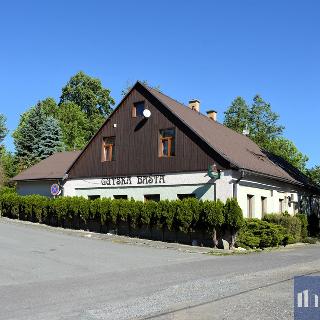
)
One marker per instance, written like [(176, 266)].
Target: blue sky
[(210, 50)]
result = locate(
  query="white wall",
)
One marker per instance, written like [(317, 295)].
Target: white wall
[(272, 190), (198, 183)]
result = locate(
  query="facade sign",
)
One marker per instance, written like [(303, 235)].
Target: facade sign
[(138, 180)]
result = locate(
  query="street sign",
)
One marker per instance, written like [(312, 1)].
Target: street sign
[(55, 189)]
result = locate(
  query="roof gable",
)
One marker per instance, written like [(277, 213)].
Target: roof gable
[(231, 148)]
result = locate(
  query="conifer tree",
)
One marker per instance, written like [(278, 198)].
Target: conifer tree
[(50, 138), (34, 138)]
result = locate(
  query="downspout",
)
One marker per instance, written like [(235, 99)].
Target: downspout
[(236, 183)]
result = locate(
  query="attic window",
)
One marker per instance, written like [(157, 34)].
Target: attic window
[(108, 149), (167, 143), (137, 109)]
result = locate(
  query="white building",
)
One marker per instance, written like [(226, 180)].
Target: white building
[(153, 147)]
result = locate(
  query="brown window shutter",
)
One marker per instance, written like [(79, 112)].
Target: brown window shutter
[(103, 151), (134, 112)]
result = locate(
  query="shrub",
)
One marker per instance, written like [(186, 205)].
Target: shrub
[(4, 190), (188, 212), (214, 218), (304, 224), (292, 224), (260, 234), (10, 204), (186, 215), (233, 218), (150, 214), (310, 240)]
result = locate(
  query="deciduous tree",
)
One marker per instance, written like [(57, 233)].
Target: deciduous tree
[(8, 166), (314, 174), (88, 93), (287, 150), (75, 126), (264, 129)]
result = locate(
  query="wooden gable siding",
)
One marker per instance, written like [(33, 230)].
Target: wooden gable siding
[(137, 145)]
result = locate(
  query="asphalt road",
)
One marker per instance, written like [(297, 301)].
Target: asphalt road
[(46, 274)]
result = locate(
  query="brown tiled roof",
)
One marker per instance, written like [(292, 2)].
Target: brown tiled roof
[(53, 167), (239, 150)]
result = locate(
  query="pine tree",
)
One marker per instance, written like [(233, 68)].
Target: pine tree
[(36, 137), (27, 136), (50, 138)]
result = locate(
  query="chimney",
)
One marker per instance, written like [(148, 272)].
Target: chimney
[(212, 114), (194, 105)]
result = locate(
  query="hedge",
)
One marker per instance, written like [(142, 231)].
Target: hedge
[(296, 226), (188, 215)]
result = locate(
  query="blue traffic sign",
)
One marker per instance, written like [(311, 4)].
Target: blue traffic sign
[(55, 189)]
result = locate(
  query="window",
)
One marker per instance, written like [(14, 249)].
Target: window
[(281, 207), (263, 206), (93, 197), (186, 196), (167, 143), (108, 149), (152, 197), (120, 196), (137, 109), (250, 199)]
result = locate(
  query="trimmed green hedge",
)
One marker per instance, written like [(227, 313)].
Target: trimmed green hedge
[(187, 215)]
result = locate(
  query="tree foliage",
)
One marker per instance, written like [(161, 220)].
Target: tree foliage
[(259, 118), (49, 127), (314, 174), (50, 138), (264, 129), (49, 106), (74, 125), (286, 149), (214, 217), (88, 93), (36, 137), (233, 217), (3, 128), (93, 100), (8, 167)]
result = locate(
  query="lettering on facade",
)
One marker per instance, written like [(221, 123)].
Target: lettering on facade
[(139, 180)]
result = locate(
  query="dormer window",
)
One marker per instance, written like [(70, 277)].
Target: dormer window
[(108, 149), (137, 109)]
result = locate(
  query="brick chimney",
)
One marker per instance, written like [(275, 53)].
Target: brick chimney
[(194, 105), (212, 114)]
